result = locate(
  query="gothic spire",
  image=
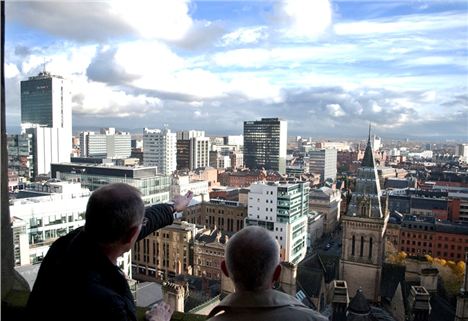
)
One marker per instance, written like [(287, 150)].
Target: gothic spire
[(368, 160)]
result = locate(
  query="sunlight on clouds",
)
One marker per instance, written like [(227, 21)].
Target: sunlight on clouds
[(245, 36), (168, 20), (98, 98), (147, 58), (11, 70), (306, 18), (335, 110)]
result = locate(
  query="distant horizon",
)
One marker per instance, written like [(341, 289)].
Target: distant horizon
[(139, 131)]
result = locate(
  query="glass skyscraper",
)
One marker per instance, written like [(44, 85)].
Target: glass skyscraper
[(265, 144)]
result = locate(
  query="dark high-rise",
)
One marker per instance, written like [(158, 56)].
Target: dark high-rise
[(265, 144)]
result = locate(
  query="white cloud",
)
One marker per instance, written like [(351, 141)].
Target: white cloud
[(246, 35), (167, 20), (11, 70), (402, 25), (305, 18), (335, 110)]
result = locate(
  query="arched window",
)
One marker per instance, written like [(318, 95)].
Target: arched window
[(370, 248), (362, 246), (354, 244)]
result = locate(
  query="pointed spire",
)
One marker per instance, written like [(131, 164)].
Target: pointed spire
[(368, 160), (359, 304)]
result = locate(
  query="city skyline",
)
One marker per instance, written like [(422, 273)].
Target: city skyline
[(325, 67)]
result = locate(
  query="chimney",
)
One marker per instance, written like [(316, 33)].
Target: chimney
[(428, 279), (173, 294), (419, 304), (288, 277), (340, 300)]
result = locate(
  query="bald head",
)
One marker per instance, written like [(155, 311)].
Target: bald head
[(252, 256), (112, 211)]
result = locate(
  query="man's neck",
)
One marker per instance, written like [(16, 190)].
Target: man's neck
[(112, 253)]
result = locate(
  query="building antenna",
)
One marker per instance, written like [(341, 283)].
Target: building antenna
[(44, 65)]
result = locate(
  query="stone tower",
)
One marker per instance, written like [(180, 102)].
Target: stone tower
[(174, 295), (363, 232)]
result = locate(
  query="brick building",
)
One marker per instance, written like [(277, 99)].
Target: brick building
[(420, 235)]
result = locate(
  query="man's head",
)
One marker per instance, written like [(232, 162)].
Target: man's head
[(252, 259), (114, 214)]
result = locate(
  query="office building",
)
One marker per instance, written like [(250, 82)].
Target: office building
[(106, 144), (181, 184), (223, 215), (159, 149), (265, 144), (282, 208), (323, 162), (165, 253), (462, 151), (154, 188), (20, 155), (46, 113), (48, 211), (326, 201), (192, 150)]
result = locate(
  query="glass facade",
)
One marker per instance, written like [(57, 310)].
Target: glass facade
[(36, 101), (265, 144)]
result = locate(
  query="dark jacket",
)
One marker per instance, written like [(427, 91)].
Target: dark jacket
[(268, 305), (76, 281)]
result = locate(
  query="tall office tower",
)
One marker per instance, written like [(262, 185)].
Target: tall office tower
[(376, 143), (46, 113), (192, 150), (323, 162), (265, 144), (364, 228), (108, 143), (187, 134), (462, 151), (159, 149), (282, 209)]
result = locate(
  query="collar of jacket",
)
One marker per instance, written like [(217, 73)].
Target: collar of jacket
[(262, 299)]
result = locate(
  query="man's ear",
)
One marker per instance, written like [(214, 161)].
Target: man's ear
[(277, 273), (131, 234), (224, 268)]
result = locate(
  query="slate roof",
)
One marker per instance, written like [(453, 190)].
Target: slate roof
[(392, 275)]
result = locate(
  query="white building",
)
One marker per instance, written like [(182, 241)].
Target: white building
[(282, 209), (159, 149), (59, 210), (182, 184), (187, 134), (49, 145), (234, 140), (46, 112), (376, 143), (326, 201), (462, 151), (107, 144), (324, 162)]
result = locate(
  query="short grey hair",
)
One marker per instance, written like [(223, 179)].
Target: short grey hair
[(112, 211), (252, 255)]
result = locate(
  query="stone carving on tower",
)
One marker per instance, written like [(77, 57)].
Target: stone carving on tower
[(363, 232)]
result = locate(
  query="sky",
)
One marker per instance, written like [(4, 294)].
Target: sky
[(327, 67)]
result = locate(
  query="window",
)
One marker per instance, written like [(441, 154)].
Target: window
[(353, 245), (361, 252)]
